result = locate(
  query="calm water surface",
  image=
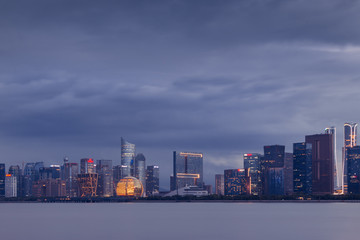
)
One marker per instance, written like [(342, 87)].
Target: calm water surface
[(159, 221)]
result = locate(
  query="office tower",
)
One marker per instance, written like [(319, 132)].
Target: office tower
[(322, 163), (129, 187), (274, 157), (49, 187), (87, 183), (332, 131), (87, 165), (219, 184), (69, 173), (152, 180), (188, 170), (302, 169), (252, 162), (117, 173), (127, 158), (105, 181), (52, 172), (2, 180), (29, 172), (288, 174), (237, 182), (350, 139), (16, 171), (274, 181), (10, 186), (140, 169), (353, 171)]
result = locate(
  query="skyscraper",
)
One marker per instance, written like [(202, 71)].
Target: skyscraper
[(2, 180), (69, 174), (302, 168), (10, 186), (152, 180), (188, 170), (288, 174), (127, 158), (274, 156), (350, 136), (271, 175), (105, 182), (322, 163), (252, 162), (140, 170), (87, 165), (16, 171), (274, 182), (237, 182), (219, 184), (353, 171), (332, 131)]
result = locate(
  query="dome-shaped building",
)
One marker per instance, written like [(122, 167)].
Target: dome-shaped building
[(129, 187)]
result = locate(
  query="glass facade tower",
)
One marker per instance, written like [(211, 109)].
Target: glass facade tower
[(127, 158), (252, 162), (350, 136), (140, 170), (302, 168)]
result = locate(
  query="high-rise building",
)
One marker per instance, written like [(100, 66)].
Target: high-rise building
[(152, 180), (188, 170), (219, 184), (274, 183), (274, 157), (87, 165), (252, 161), (2, 179), (322, 163), (332, 131), (52, 172), (16, 172), (140, 170), (127, 158), (350, 139), (69, 173), (288, 174), (49, 187), (105, 182), (10, 186), (237, 182), (302, 169), (353, 171)]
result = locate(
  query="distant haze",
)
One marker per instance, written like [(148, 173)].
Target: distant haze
[(219, 77)]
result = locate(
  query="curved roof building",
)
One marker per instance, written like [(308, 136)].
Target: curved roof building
[(129, 187)]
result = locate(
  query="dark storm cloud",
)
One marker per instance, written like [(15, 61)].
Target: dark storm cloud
[(222, 77)]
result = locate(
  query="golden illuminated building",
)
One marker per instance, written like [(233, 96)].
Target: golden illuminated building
[(129, 187)]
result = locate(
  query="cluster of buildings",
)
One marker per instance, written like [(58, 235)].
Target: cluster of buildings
[(310, 168), (88, 179)]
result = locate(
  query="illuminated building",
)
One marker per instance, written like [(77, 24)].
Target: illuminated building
[(2, 180), (350, 136), (117, 173), (31, 174), (252, 162), (87, 165), (274, 182), (140, 170), (353, 164), (10, 186), (49, 188), (188, 191), (105, 181), (322, 163), (237, 182), (288, 174), (69, 174), (87, 183), (152, 180), (127, 158), (219, 184), (332, 131), (274, 156), (16, 171), (187, 170), (302, 169), (129, 187)]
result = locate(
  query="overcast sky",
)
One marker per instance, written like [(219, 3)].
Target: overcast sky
[(219, 77)]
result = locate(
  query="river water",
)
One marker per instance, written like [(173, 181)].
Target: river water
[(107, 221)]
